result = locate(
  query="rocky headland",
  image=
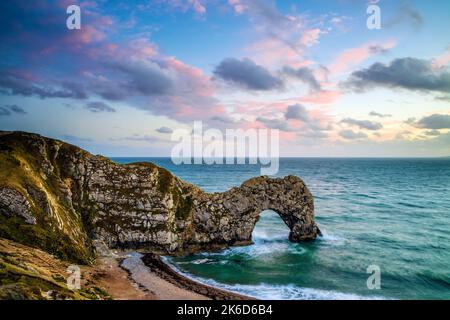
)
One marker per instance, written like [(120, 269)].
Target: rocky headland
[(61, 199)]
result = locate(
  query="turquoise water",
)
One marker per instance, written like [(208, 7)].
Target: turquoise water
[(393, 213)]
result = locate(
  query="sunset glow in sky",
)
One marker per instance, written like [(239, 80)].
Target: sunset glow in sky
[(137, 70)]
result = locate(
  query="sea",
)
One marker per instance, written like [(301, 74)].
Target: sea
[(385, 225)]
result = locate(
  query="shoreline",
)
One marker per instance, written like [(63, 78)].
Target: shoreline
[(166, 272), (148, 273)]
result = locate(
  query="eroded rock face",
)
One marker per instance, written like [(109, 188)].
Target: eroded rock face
[(143, 205), (13, 203)]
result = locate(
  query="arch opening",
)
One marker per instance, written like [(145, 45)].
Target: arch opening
[(270, 227)]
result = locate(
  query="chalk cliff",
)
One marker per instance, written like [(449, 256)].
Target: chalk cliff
[(59, 198)]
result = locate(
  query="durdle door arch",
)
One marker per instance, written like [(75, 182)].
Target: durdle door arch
[(231, 216)]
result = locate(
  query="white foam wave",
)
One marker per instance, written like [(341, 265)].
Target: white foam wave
[(265, 236), (202, 261), (330, 238), (277, 292), (258, 249)]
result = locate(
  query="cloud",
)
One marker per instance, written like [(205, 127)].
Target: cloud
[(131, 78), (352, 135), (305, 74), (198, 6), (379, 115), (283, 37), (321, 97), (435, 122), (309, 125), (129, 69), (8, 110), (146, 78), (410, 121), (363, 124), (442, 60), (403, 135), (279, 124), (247, 74), (406, 14), (292, 29), (432, 133), (297, 112), (224, 119), (276, 54), (16, 85), (355, 56), (160, 84), (443, 98), (106, 87), (310, 37), (266, 16), (144, 138), (99, 106), (379, 49), (33, 32), (314, 124), (406, 73), (313, 134), (164, 130), (184, 5), (238, 6)]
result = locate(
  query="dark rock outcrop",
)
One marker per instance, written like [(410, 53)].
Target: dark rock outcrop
[(59, 197)]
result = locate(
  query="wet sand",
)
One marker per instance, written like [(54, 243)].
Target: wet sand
[(159, 281)]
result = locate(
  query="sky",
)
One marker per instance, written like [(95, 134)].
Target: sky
[(138, 70)]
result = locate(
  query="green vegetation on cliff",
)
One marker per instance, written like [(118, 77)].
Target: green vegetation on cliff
[(28, 167)]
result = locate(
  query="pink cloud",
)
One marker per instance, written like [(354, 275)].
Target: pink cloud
[(321, 97), (182, 110), (442, 60), (269, 109), (287, 136), (88, 34), (136, 49), (352, 57), (283, 37), (94, 28), (142, 48), (310, 37), (238, 6), (275, 53), (197, 5), (195, 78)]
